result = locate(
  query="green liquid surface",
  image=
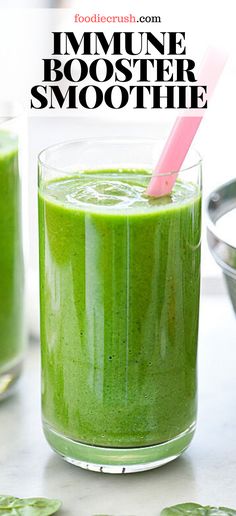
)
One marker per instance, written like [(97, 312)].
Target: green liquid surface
[(11, 259), (120, 278)]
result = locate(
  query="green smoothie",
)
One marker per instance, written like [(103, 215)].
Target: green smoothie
[(11, 259), (120, 278)]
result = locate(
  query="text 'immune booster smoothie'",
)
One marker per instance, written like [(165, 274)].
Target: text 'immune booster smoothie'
[(120, 275)]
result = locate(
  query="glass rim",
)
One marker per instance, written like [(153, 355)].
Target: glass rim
[(13, 110), (113, 140)]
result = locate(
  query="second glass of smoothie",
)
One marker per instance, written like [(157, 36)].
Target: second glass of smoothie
[(12, 334), (119, 283)]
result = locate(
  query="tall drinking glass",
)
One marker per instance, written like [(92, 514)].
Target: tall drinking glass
[(119, 282), (12, 341)]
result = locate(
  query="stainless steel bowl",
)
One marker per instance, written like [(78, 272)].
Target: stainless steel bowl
[(220, 202)]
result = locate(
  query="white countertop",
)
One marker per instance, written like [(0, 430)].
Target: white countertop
[(206, 473)]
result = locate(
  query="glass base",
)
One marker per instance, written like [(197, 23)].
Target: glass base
[(118, 460), (8, 380)]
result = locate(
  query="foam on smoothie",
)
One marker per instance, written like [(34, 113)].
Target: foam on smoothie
[(115, 192)]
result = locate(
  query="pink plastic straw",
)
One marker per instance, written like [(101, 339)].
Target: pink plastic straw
[(184, 130)]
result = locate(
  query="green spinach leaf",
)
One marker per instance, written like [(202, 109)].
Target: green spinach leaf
[(194, 509), (11, 506)]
